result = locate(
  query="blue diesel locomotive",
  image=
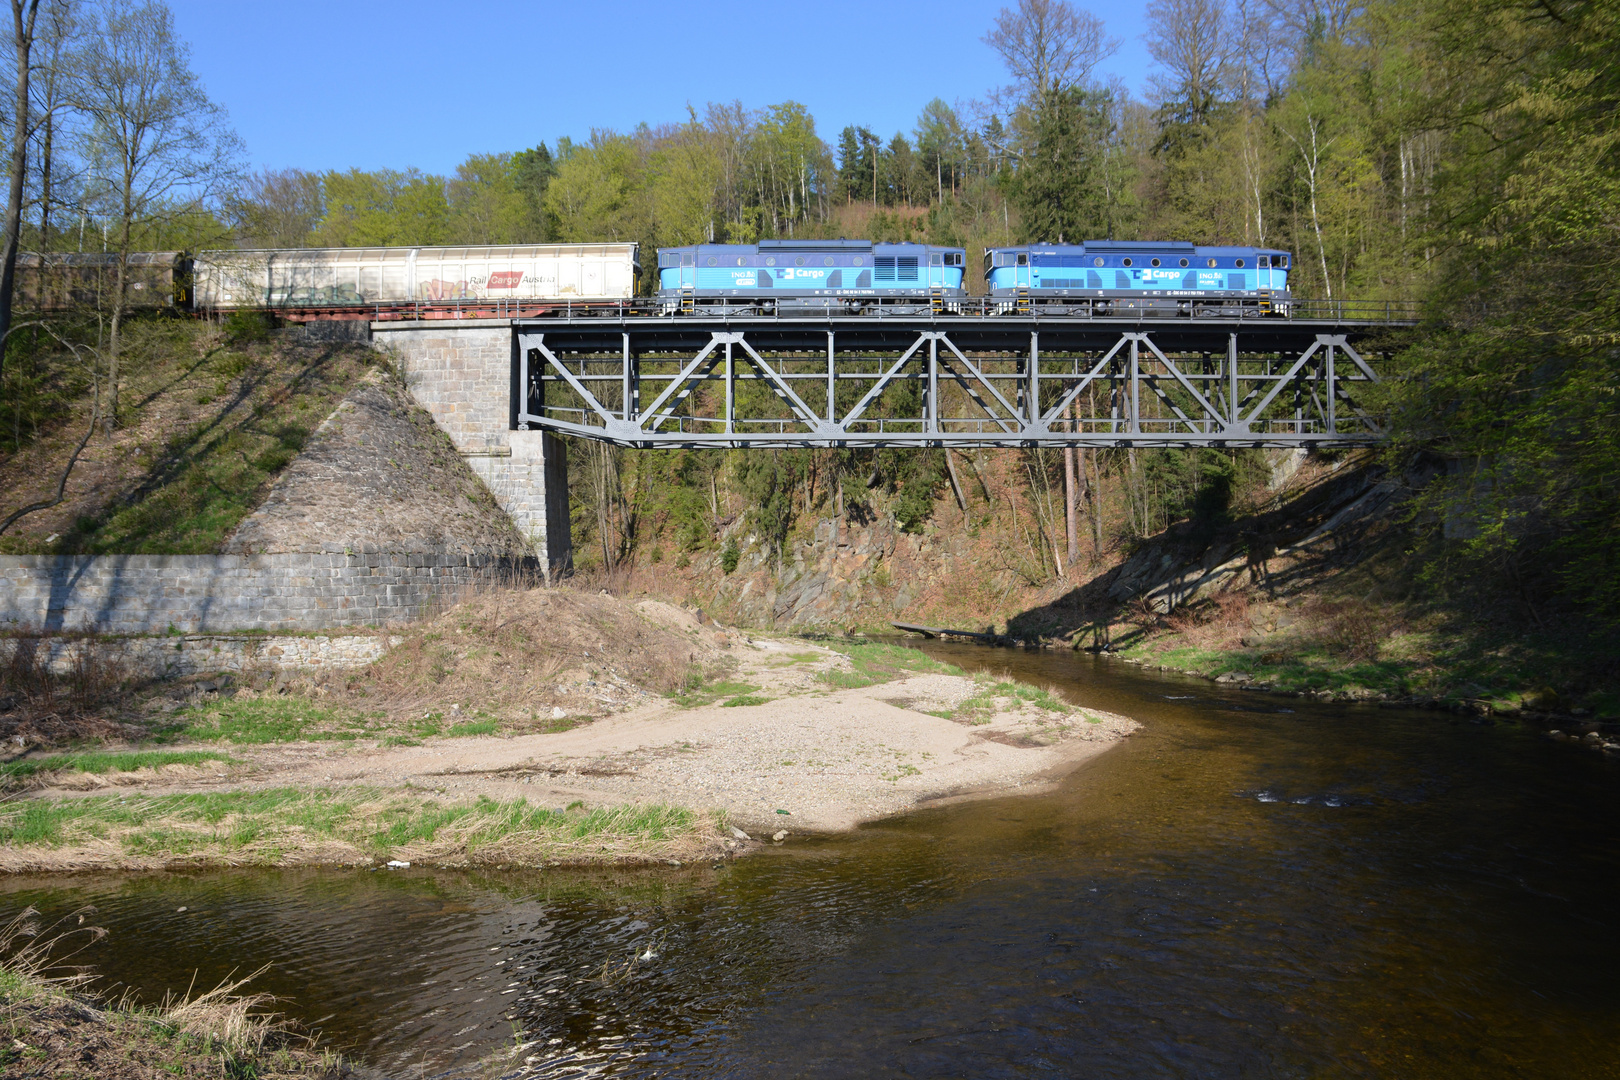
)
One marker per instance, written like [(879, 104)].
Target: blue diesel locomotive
[(1136, 278), (836, 276)]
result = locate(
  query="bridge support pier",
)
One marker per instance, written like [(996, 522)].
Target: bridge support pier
[(461, 373)]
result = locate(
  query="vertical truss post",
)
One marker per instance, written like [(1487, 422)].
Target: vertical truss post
[(624, 410), (1133, 422), (931, 405), (1233, 421), (831, 382), (731, 383), (1332, 395), (1034, 405)]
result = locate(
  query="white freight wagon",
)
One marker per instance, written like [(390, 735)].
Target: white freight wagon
[(369, 277)]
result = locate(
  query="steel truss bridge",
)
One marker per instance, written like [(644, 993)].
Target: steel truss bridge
[(1014, 380)]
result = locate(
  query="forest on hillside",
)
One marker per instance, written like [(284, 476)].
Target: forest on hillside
[(1460, 153)]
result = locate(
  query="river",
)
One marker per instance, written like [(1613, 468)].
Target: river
[(1249, 887)]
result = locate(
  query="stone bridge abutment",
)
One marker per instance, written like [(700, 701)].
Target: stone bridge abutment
[(461, 373)]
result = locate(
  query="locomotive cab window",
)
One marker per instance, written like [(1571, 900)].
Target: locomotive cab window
[(1023, 258), (1263, 262), (688, 258), (936, 259)]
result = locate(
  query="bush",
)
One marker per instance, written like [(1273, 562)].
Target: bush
[(242, 327), (730, 556)]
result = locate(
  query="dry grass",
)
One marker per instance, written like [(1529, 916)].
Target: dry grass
[(50, 1027), (506, 649), (38, 706)]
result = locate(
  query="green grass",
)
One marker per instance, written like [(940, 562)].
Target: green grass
[(106, 762), (1303, 671), (245, 412), (697, 692), (261, 826), (251, 721), (990, 698), (879, 662)]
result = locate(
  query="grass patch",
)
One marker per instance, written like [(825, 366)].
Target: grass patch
[(1299, 670), (698, 691), (876, 662), (263, 826), (990, 698), (257, 720), (205, 428), (106, 762), (743, 699)]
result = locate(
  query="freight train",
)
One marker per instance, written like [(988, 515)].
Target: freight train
[(1099, 278), (1156, 279)]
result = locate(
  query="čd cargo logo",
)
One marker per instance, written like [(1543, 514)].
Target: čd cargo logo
[(505, 279)]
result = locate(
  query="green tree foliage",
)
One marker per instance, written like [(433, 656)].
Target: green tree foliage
[(1517, 387), (383, 208), (1060, 188)]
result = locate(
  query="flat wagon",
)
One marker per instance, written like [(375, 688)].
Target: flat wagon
[(416, 282)]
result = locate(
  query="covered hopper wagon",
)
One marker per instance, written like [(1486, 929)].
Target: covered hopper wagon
[(65, 280), (416, 282)]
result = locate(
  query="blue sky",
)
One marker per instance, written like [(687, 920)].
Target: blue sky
[(335, 84)]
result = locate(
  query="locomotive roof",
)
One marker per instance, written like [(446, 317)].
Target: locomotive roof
[(845, 246), (1175, 247)]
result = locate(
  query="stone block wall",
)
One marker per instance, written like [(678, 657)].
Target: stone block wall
[(149, 594), (461, 373), (175, 657)]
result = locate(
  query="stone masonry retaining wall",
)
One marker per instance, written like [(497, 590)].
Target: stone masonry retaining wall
[(149, 594), (198, 654)]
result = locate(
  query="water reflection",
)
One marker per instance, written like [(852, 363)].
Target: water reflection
[(1249, 887)]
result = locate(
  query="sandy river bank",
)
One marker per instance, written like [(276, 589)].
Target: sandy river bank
[(806, 748)]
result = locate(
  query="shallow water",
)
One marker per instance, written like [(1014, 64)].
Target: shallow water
[(1249, 887)]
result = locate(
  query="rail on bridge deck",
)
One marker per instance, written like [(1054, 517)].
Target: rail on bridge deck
[(945, 380)]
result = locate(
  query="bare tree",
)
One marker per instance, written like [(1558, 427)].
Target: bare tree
[(157, 147), (278, 208), (56, 40), (23, 15), (1190, 40), (1049, 45)]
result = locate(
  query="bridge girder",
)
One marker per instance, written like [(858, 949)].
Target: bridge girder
[(662, 383)]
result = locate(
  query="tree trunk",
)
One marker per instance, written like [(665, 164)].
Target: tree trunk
[(120, 291), (22, 43), (1071, 530)]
